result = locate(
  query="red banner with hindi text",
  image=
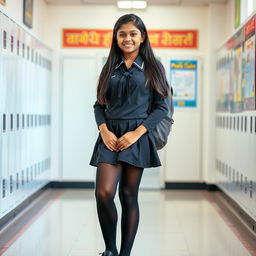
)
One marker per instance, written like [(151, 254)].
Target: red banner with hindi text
[(76, 38)]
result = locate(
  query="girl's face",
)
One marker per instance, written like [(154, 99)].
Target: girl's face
[(129, 39)]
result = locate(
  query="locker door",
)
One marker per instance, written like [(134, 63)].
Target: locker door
[(5, 117), (32, 109), (1, 107), (39, 110), (23, 116), (18, 99), (48, 111), (28, 90), (35, 111), (79, 128), (12, 80)]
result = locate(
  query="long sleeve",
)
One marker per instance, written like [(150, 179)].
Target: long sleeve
[(160, 110), (99, 113)]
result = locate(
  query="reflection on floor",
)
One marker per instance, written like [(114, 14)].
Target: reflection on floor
[(180, 223)]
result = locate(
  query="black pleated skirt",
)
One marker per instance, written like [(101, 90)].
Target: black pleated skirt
[(142, 153)]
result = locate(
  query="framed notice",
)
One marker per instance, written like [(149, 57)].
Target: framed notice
[(237, 13), (3, 2), (28, 13), (184, 80)]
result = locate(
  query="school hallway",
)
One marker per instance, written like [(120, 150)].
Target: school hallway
[(197, 195)]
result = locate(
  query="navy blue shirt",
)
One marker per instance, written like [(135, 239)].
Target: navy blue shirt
[(129, 97)]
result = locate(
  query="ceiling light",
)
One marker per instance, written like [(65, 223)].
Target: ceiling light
[(131, 4), (139, 4), (124, 4)]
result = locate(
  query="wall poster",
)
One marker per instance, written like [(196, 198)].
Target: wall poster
[(3, 2), (237, 104), (236, 71), (224, 80), (28, 13), (249, 66), (237, 13), (184, 80)]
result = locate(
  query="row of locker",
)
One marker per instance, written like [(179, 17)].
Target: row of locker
[(25, 111), (16, 188), (17, 42), (237, 123), (233, 178), (26, 52), (25, 121), (235, 160)]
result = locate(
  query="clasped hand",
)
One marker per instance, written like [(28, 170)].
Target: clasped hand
[(115, 144)]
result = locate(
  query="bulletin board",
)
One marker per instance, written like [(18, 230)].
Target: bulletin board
[(236, 71), (184, 81)]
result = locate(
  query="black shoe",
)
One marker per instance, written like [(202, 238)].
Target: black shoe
[(108, 253)]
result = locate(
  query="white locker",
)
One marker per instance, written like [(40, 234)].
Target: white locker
[(252, 162), (33, 144), (48, 111), (1, 107), (18, 100), (11, 82), (35, 113), (23, 116), (28, 99), (40, 112), (24, 109), (245, 171), (6, 122)]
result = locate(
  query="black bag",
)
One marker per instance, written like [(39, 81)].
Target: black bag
[(164, 127)]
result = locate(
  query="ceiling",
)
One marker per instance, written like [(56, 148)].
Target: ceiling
[(149, 2)]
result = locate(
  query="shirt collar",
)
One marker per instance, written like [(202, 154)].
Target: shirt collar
[(138, 62)]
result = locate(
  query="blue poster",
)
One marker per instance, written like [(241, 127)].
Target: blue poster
[(184, 79)]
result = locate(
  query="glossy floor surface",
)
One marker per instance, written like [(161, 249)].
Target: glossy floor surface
[(180, 223)]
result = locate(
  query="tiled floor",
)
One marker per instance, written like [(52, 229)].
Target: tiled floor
[(180, 223)]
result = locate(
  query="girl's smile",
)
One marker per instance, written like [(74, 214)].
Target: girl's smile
[(129, 39)]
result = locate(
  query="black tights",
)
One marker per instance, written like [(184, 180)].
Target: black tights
[(107, 178)]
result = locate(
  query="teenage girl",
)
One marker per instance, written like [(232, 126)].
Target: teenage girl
[(131, 81)]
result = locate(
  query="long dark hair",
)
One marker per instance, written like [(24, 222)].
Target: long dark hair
[(153, 71)]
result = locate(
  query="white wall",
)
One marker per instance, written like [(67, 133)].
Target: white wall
[(216, 19)]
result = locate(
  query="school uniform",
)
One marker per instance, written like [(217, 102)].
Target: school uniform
[(128, 107)]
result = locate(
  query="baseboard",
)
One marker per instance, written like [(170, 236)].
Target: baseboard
[(71, 184), (234, 208), (18, 209), (191, 186), (168, 185)]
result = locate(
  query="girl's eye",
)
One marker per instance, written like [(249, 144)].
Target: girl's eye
[(124, 35)]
